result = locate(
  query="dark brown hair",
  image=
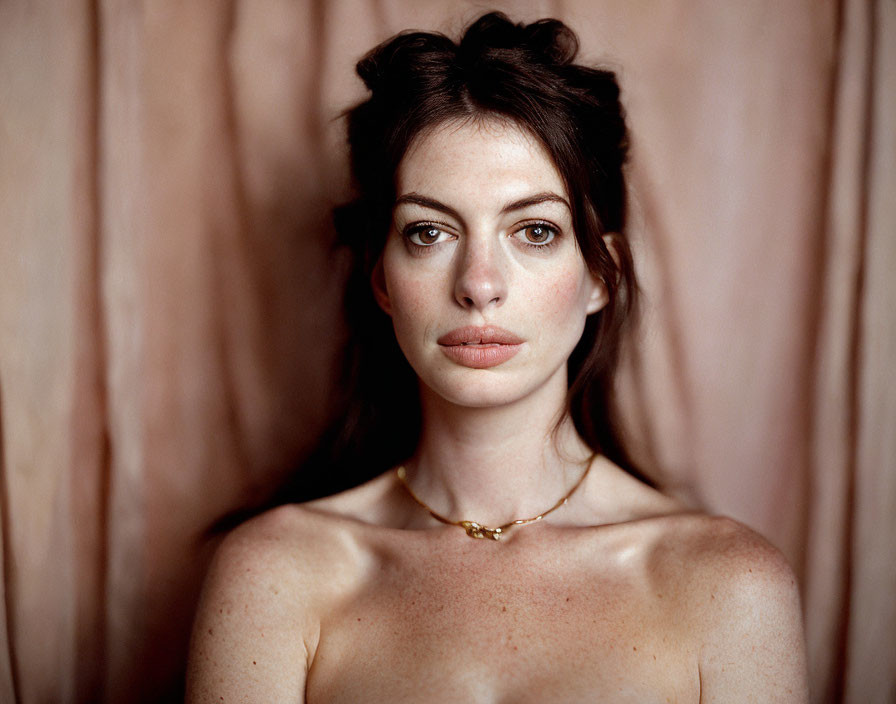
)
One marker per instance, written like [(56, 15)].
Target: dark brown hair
[(522, 73)]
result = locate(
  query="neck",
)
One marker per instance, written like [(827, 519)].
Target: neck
[(500, 463)]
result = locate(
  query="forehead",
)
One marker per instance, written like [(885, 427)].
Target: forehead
[(478, 158)]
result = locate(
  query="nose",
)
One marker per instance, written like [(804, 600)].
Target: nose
[(480, 281)]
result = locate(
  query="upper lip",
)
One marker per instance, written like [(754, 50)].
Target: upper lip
[(484, 335)]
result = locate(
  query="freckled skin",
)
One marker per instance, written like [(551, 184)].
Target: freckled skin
[(385, 614), (483, 257), (621, 596)]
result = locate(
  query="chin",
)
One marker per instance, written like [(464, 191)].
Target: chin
[(484, 388), (476, 398)]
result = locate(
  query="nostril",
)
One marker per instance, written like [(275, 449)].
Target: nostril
[(479, 284), (470, 302)]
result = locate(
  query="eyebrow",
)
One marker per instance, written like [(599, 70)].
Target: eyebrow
[(417, 199), (546, 197), (538, 198)]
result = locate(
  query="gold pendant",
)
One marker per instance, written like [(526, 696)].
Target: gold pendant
[(474, 530)]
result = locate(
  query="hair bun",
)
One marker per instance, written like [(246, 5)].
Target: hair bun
[(491, 38), (547, 41), (407, 53)]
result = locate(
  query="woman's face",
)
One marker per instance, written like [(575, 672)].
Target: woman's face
[(481, 273)]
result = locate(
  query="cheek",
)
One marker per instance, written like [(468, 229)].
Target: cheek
[(408, 298), (410, 295), (563, 294)]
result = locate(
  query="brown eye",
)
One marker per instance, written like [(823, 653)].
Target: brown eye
[(426, 235), (430, 236), (538, 234)]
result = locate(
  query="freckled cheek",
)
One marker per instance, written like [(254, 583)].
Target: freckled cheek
[(411, 299), (558, 294)]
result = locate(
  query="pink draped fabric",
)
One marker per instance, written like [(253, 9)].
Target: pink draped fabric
[(169, 298)]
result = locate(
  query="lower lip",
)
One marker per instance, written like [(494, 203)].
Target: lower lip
[(480, 356)]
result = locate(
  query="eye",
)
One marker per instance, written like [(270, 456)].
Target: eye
[(538, 234), (426, 235)]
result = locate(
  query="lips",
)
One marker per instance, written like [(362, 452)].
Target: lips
[(480, 347), (473, 335)]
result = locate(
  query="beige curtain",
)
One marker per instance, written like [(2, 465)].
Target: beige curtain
[(169, 300)]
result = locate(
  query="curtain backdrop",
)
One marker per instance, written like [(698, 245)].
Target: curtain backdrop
[(170, 298)]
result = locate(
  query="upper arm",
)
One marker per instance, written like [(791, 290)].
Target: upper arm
[(249, 634), (752, 647)]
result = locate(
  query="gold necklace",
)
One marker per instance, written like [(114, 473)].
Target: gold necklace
[(477, 530)]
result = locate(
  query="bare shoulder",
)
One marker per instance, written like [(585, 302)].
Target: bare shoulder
[(738, 597), (293, 546), (257, 624), (718, 550), (371, 503)]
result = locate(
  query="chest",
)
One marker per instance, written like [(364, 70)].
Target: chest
[(456, 627)]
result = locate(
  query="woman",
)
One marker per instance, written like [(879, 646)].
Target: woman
[(510, 557)]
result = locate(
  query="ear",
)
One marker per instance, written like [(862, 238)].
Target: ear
[(599, 296), (378, 284)]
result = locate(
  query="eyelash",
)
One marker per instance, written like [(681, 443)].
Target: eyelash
[(418, 227), (555, 232)]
